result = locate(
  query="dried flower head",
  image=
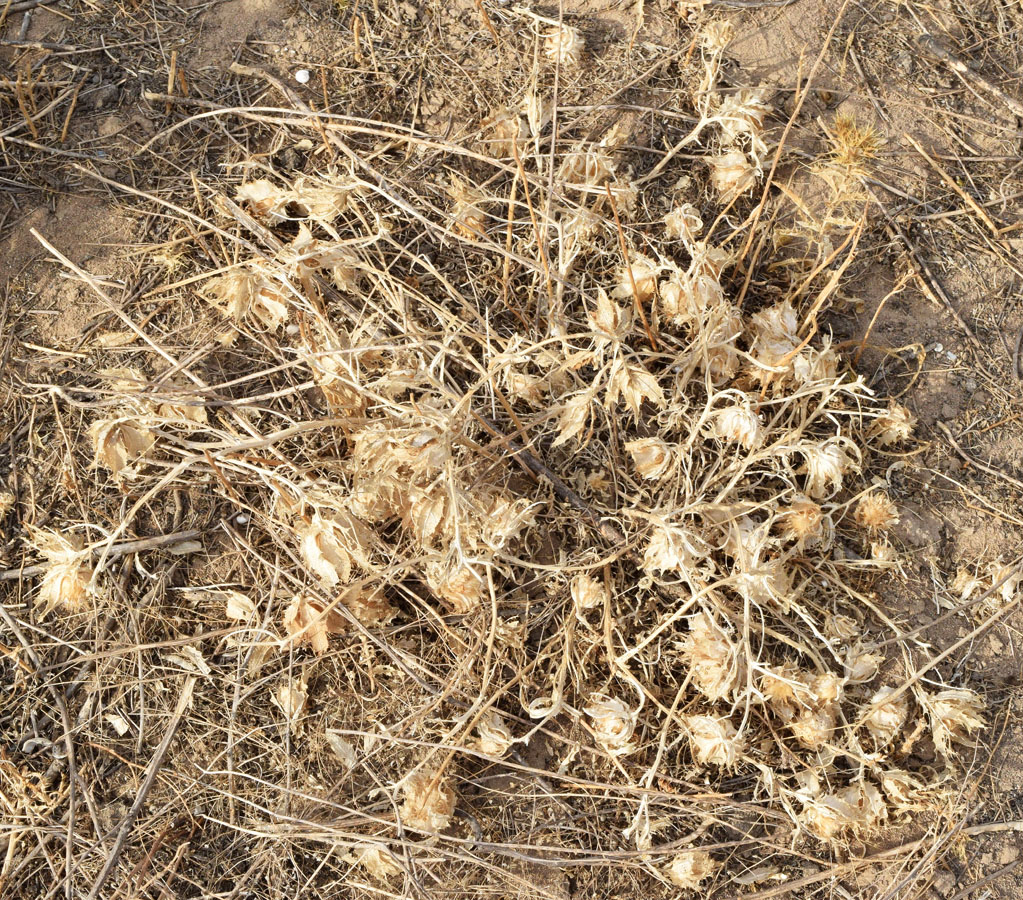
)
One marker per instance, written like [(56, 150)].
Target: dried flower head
[(712, 657), (683, 223), (119, 442), (308, 621), (689, 870), (369, 605), (321, 198), (885, 715), (243, 295), (652, 457), (894, 426), (495, 736), (716, 35), (377, 860), (291, 698), (774, 341), (564, 45), (590, 167), (732, 174), (673, 548), (858, 808), (587, 593), (459, 586), (714, 740), (804, 522), (861, 666), (825, 465), (641, 273), (326, 545), (7, 501), (876, 512), (65, 583), (738, 424), (685, 299), (266, 200), (954, 715), (743, 113), (613, 724), (722, 328), (508, 132), (429, 802)]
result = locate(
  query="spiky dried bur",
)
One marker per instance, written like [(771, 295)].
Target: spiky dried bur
[(742, 114), (321, 198), (893, 426), (884, 716), (331, 544), (689, 871), (118, 443), (652, 457), (638, 280), (954, 715), (984, 579), (714, 740), (308, 621), (613, 723), (429, 801), (65, 583), (732, 174), (683, 223), (291, 698), (468, 215), (587, 593), (377, 860), (826, 464), (495, 737), (738, 424), (807, 704), (806, 523), (858, 809), (715, 661), (564, 45), (876, 512), (247, 296)]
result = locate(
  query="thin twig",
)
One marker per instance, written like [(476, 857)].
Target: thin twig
[(121, 549), (976, 463), (147, 783)]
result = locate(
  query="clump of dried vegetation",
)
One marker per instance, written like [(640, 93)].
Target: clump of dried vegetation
[(517, 515)]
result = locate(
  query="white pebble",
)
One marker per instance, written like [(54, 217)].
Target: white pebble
[(952, 356), (292, 328), (938, 348), (302, 76), (241, 519)]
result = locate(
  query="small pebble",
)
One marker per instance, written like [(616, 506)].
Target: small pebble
[(302, 76), (970, 384), (241, 519), (952, 356), (938, 348), (292, 328)]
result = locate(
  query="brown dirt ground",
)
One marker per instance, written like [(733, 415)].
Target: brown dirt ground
[(952, 511)]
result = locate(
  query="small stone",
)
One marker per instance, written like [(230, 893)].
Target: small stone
[(970, 384), (302, 76)]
